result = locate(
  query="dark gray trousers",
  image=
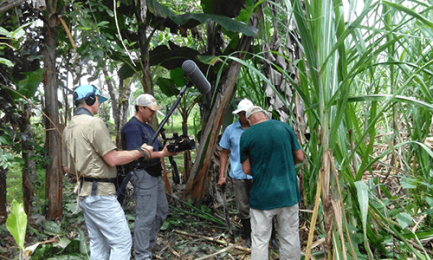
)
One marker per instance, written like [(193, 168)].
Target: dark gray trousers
[(151, 211), (242, 190)]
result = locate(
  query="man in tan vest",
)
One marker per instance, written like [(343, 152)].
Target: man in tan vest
[(91, 155)]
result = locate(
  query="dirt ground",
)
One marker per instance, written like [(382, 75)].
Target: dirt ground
[(188, 233)]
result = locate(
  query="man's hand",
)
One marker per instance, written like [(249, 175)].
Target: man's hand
[(222, 180), (148, 150), (166, 152), (147, 147)]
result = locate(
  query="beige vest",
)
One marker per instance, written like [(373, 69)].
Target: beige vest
[(85, 142)]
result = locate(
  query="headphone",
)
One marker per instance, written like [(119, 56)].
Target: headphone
[(90, 98)]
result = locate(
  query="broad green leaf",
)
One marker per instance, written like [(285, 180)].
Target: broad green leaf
[(362, 191), (178, 77), (407, 185), (19, 32), (245, 14), (190, 20), (404, 220), (6, 62), (83, 243), (63, 242), (52, 228), (429, 201), (170, 58), (167, 87), (29, 85), (4, 140), (4, 32), (17, 223)]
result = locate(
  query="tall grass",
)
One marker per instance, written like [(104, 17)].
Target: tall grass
[(365, 83)]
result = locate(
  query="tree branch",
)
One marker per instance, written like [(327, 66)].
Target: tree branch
[(8, 4)]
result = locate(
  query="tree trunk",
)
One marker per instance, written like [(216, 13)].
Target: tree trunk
[(197, 185), (119, 105), (3, 212), (53, 180), (29, 170), (124, 94)]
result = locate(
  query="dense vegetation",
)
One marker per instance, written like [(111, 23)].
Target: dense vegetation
[(352, 78)]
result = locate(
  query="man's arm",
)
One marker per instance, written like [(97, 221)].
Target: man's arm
[(114, 157), (246, 166), (163, 153), (298, 156), (223, 163)]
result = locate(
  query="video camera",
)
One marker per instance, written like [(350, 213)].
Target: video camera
[(180, 144)]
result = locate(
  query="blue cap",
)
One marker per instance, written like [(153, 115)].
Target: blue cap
[(83, 91)]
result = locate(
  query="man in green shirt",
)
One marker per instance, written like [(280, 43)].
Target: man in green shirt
[(269, 151)]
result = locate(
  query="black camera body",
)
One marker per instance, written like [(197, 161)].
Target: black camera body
[(180, 144)]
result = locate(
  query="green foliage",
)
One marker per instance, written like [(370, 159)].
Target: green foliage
[(14, 37), (69, 250), (190, 20), (17, 223), (28, 86), (5, 158)]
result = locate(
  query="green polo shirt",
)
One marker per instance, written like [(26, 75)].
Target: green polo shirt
[(269, 146), (85, 142)]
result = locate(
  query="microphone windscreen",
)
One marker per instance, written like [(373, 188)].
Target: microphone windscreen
[(197, 78)]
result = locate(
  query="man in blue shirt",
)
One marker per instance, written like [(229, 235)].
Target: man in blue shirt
[(242, 183), (151, 201)]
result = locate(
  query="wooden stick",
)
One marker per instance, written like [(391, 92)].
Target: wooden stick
[(174, 252), (231, 221), (53, 240), (225, 243), (217, 253)]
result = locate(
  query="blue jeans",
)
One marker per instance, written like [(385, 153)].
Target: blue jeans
[(110, 237)]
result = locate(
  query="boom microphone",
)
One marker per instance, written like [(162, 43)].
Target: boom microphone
[(195, 76)]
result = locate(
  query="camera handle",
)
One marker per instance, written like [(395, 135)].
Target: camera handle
[(175, 173), (160, 128)]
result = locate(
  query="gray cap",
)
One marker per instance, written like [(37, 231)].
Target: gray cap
[(253, 110), (146, 100)]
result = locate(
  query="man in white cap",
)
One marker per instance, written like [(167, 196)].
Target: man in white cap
[(269, 151), (242, 183), (89, 152), (151, 201)]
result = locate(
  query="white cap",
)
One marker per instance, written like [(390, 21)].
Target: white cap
[(146, 100), (254, 109), (243, 105)]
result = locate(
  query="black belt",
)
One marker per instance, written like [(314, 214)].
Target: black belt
[(112, 180), (95, 182)]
